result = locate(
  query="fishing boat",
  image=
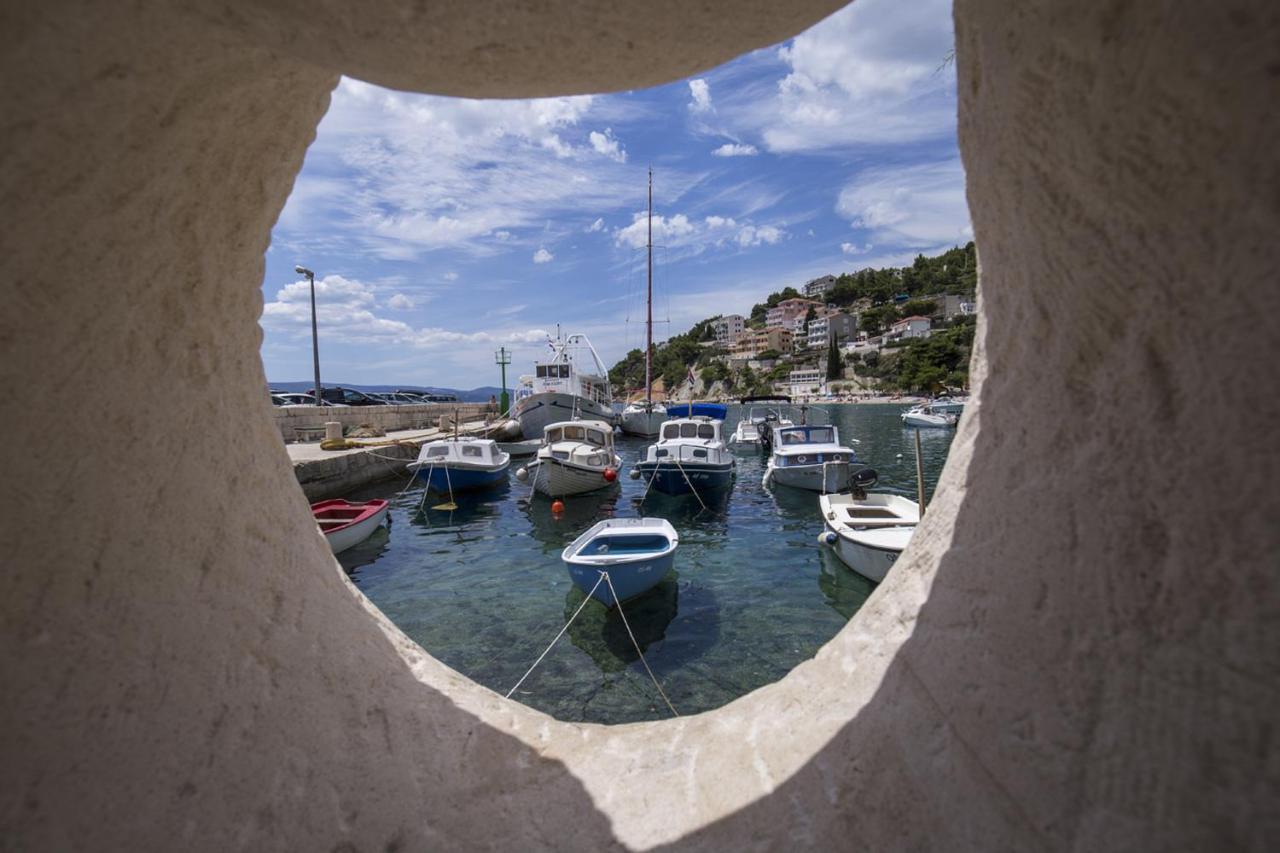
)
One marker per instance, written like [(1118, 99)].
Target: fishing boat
[(868, 531), (575, 457), (644, 417), (637, 553), (345, 524), (690, 456), (718, 411), (925, 416), (571, 383), (755, 426), (810, 457), (460, 464)]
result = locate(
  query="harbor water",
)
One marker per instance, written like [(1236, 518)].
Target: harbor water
[(753, 594)]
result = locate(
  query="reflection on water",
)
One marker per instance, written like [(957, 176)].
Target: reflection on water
[(482, 586)]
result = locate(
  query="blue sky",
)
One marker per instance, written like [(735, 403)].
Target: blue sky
[(441, 228)]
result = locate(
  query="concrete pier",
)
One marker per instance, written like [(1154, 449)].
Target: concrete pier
[(332, 473)]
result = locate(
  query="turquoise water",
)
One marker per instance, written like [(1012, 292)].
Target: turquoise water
[(753, 594)]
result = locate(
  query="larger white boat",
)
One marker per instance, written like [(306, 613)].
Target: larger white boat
[(571, 383), (926, 416), (644, 417), (575, 457), (810, 457), (691, 456)]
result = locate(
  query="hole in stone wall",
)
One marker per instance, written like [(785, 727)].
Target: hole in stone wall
[(442, 230)]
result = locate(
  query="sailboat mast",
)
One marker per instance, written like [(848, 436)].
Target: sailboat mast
[(648, 324)]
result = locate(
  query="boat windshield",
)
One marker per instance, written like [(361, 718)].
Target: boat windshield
[(442, 450), (809, 435)]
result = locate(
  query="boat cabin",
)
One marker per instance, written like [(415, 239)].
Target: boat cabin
[(788, 436), (697, 429), (809, 445), (588, 443), (469, 451)]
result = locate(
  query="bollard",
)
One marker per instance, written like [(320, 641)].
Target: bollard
[(332, 429)]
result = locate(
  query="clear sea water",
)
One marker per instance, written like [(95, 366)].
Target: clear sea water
[(753, 593)]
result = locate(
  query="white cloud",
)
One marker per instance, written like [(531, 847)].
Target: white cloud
[(451, 276), (400, 302), (606, 144), (701, 94), (345, 314), (921, 206), (598, 225), (854, 248), (875, 72), (735, 149), (542, 256), (681, 232)]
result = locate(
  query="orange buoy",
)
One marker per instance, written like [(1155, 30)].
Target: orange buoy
[(557, 507), (610, 474)]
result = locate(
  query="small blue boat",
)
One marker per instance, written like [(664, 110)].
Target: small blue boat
[(461, 464), (637, 553), (697, 410), (690, 456)]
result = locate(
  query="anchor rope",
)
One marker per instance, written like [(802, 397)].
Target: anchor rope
[(603, 576), (687, 481), (627, 625)]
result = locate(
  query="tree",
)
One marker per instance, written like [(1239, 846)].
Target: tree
[(768, 355), (833, 359), (808, 318)]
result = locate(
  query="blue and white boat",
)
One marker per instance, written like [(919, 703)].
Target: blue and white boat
[(461, 464), (718, 411), (637, 553), (810, 457), (690, 456)]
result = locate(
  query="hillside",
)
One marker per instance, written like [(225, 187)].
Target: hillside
[(879, 297)]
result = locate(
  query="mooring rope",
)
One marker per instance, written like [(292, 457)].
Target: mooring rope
[(627, 625), (676, 459), (603, 576)]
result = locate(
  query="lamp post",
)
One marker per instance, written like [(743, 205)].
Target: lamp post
[(503, 358), (315, 338)]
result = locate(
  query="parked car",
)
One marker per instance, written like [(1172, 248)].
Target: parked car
[(297, 398), (349, 397)]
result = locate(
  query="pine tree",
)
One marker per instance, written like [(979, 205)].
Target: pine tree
[(833, 359)]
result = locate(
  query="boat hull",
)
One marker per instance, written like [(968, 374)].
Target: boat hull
[(643, 423), (871, 553), (833, 477), (353, 534), (539, 410), (441, 478), (555, 479), (628, 579), (670, 480), (929, 421)]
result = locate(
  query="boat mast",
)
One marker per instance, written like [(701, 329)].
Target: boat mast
[(648, 324)]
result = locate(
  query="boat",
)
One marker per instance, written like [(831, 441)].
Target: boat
[(810, 456), (637, 553), (754, 427), (571, 383), (697, 410), (690, 456), (459, 464), (925, 416), (575, 457), (947, 405), (345, 524), (526, 447), (868, 531), (644, 417)]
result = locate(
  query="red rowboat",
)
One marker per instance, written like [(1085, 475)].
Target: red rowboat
[(344, 524)]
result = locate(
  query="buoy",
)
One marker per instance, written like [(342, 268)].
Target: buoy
[(557, 507), (522, 474), (610, 474), (826, 537), (899, 456), (635, 474)]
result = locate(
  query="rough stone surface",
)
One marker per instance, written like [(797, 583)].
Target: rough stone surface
[(1077, 653)]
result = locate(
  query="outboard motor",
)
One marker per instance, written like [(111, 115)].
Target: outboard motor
[(863, 479)]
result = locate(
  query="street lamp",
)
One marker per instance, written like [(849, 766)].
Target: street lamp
[(503, 358), (315, 339)]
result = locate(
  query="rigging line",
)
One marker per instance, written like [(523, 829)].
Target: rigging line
[(627, 625), (603, 576)]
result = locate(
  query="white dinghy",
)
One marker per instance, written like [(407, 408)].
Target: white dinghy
[(868, 531)]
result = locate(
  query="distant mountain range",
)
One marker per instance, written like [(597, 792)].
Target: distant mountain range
[(475, 395)]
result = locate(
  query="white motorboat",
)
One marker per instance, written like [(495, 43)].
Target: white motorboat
[(947, 405), (690, 456), (754, 428), (575, 457), (925, 416), (644, 417), (572, 383), (810, 457), (868, 531)]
